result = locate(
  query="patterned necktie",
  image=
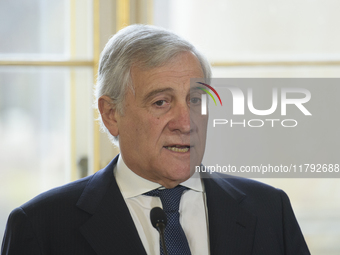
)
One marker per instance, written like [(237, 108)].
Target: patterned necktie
[(175, 239)]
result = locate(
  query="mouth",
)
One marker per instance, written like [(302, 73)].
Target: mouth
[(178, 148)]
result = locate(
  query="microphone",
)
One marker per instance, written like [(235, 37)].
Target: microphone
[(159, 221)]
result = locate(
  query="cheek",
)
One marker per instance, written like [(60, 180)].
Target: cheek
[(154, 128), (143, 129), (205, 125), (156, 131)]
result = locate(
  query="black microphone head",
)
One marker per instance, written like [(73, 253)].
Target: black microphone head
[(157, 215)]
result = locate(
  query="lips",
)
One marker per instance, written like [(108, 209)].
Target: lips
[(178, 148)]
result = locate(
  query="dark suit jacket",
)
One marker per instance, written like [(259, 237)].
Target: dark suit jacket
[(89, 216)]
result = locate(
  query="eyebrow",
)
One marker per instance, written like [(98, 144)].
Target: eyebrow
[(155, 92)]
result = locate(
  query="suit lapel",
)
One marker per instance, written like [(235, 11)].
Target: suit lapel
[(110, 229), (231, 228)]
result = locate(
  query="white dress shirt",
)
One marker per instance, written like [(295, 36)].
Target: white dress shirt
[(192, 208)]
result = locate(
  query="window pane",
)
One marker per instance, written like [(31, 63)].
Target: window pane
[(278, 71), (32, 27), (37, 112), (256, 30), (40, 29)]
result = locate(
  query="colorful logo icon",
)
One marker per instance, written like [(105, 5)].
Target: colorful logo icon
[(207, 91), (204, 97)]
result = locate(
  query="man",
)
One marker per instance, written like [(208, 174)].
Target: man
[(144, 98)]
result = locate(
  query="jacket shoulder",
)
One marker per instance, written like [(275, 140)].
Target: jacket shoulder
[(65, 194)]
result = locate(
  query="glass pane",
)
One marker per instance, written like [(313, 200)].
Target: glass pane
[(33, 27), (256, 30), (277, 71), (38, 112), (49, 30)]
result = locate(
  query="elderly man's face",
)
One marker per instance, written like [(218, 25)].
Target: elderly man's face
[(155, 131)]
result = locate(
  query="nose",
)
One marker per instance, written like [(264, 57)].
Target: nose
[(180, 121)]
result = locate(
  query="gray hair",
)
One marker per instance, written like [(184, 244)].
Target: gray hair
[(150, 47)]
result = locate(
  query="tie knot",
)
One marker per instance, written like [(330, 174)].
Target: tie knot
[(170, 197)]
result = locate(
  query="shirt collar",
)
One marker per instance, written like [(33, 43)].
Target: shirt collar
[(132, 185)]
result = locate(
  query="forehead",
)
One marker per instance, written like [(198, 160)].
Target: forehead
[(175, 74)]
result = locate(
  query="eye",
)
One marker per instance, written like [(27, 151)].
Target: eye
[(160, 102), (195, 100)]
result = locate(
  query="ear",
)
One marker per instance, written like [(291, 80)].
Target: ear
[(109, 114)]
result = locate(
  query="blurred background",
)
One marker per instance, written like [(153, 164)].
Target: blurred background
[(49, 52)]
